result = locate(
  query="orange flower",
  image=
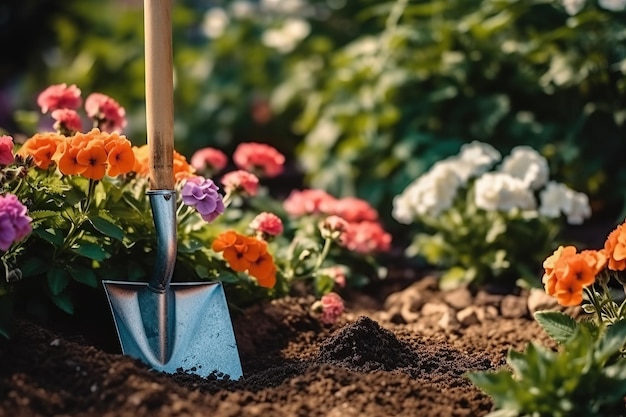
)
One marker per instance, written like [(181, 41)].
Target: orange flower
[(569, 293), (615, 248), (142, 164), (567, 273), (94, 159), (42, 147), (244, 253), (66, 159), (120, 157), (550, 278), (224, 240), (264, 270), (182, 169)]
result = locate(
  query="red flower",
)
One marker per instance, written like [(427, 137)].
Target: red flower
[(259, 158), (354, 210), (59, 96), (240, 181), (267, 224), (67, 121), (332, 308), (208, 161), (107, 112), (366, 237), (309, 201), (6, 150)]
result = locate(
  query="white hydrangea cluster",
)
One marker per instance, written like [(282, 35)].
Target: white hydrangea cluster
[(558, 198), (429, 195), (285, 38), (502, 191), (511, 185)]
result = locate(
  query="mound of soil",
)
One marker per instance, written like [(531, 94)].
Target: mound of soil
[(403, 352)]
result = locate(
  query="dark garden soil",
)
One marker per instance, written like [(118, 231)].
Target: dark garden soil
[(402, 350)]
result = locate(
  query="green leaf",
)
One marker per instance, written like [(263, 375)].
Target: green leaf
[(91, 251), (34, 266), (57, 280), (83, 275), (53, 236), (612, 342), (107, 227), (64, 302), (558, 325)]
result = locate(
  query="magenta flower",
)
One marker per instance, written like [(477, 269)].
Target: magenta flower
[(108, 114), (203, 195), (6, 150), (59, 96), (264, 160), (67, 121), (14, 223), (208, 160), (240, 181), (267, 224)]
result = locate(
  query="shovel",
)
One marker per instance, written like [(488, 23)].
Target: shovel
[(180, 326)]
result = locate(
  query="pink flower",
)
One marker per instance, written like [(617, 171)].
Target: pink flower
[(59, 96), (14, 223), (337, 273), (366, 237), (332, 308), (332, 227), (267, 224), (203, 194), (106, 112), (262, 159), (67, 121), (240, 181), (208, 161), (354, 210), (309, 201), (6, 150)]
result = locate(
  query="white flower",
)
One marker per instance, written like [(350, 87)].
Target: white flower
[(215, 22), (286, 38), (242, 9), (613, 5), (429, 195), (572, 7), (480, 156), (501, 191), (528, 165), (557, 198), (283, 6)]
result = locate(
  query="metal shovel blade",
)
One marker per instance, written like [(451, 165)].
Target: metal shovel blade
[(173, 327), (199, 335)]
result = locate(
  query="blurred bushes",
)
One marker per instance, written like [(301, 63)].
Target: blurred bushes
[(369, 94)]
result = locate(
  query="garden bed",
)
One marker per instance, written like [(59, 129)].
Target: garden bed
[(401, 348)]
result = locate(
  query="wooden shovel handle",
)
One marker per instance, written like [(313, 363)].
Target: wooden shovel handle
[(159, 92)]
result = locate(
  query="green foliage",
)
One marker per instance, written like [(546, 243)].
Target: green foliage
[(586, 377)]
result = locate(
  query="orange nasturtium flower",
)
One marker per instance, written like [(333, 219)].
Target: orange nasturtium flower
[(615, 248), (245, 253), (120, 156), (42, 147), (567, 273)]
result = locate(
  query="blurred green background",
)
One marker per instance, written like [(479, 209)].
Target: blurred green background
[(361, 95)]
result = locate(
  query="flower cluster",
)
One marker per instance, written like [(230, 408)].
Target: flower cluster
[(476, 198), (362, 231), (244, 253), (203, 194), (571, 276)]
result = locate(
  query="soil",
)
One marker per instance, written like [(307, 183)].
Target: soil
[(401, 348)]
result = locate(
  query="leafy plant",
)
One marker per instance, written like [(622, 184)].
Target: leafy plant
[(485, 223), (586, 377)]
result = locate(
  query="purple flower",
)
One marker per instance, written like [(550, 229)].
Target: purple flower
[(14, 223), (203, 194)]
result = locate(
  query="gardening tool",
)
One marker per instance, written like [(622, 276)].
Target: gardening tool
[(169, 326)]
